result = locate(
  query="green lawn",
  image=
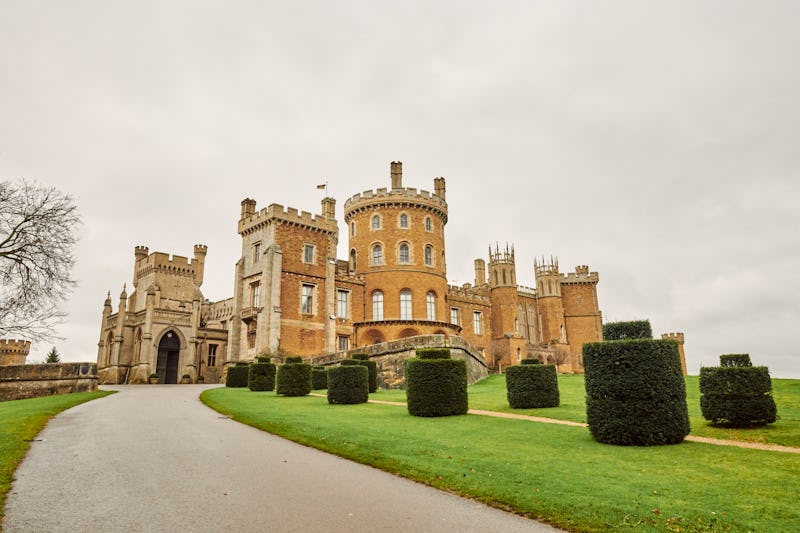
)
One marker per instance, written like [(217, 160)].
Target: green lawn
[(21, 421), (555, 473), (490, 394)]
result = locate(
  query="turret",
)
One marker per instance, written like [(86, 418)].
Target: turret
[(551, 308), (679, 338), (200, 251), (329, 208), (139, 252), (439, 187), (502, 268), (13, 352), (248, 207), (480, 272)]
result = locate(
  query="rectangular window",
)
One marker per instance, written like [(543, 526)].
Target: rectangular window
[(455, 316), (307, 299), (477, 322), (343, 343), (341, 303), (308, 253), (255, 290), (212, 355), (251, 335), (256, 252)]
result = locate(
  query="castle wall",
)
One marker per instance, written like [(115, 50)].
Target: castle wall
[(18, 382)]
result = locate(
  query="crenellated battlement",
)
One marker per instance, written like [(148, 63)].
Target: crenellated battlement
[(468, 292), (677, 336), (277, 212), (176, 265), (14, 346), (406, 196), (581, 275)]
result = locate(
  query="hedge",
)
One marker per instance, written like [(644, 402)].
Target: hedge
[(530, 361), (262, 375), (294, 377), (319, 378), (633, 329), (348, 383), (532, 385), (735, 359), (372, 367), (237, 374), (737, 396), (436, 386), (635, 392), (293, 359)]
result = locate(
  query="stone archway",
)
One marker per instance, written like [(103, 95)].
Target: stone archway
[(169, 350), (408, 332)]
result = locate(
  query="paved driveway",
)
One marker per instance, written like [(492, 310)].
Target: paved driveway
[(153, 458)]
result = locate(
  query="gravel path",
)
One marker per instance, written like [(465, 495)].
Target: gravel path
[(153, 458)]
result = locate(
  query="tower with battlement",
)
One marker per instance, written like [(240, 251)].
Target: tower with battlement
[(13, 352)]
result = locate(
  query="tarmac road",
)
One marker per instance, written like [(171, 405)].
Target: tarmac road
[(154, 458)]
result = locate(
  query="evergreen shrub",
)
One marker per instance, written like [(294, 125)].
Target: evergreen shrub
[(633, 329), (294, 377), (737, 396), (735, 359), (261, 376), (532, 385), (348, 383), (319, 378), (237, 374), (435, 384), (293, 359), (372, 367), (635, 392), (530, 361)]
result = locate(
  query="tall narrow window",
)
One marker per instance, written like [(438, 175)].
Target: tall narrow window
[(430, 304), (307, 299), (251, 334), (212, 355), (403, 220), (353, 260), (341, 303), (308, 253), (255, 292), (405, 305), (343, 343), (404, 255), (455, 316), (376, 222), (377, 305), (352, 229), (428, 224), (477, 322), (256, 252), (429, 255), (377, 255)]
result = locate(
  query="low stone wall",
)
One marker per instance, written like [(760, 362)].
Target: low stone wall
[(30, 381), (392, 355)]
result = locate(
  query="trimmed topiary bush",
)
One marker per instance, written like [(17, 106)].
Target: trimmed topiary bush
[(435, 384), (532, 385), (635, 392), (293, 359), (319, 378), (237, 374), (294, 377), (735, 359), (737, 396), (530, 361), (348, 383), (633, 329), (261, 376), (372, 366)]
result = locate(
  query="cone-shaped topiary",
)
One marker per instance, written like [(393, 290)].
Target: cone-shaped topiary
[(294, 378), (348, 383), (319, 378), (435, 384), (261, 376), (372, 366), (635, 392), (737, 394), (237, 374), (532, 384)]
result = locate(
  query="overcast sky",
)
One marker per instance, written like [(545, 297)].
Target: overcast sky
[(656, 142)]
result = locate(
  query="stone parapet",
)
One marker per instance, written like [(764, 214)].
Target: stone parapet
[(276, 212), (407, 196), (31, 381), (13, 352)]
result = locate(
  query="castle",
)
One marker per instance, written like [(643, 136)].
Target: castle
[(292, 294)]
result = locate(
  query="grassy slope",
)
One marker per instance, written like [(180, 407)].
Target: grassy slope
[(550, 472), (21, 421)]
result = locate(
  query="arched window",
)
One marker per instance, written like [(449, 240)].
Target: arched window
[(429, 255), (352, 228), (377, 305), (405, 305), (109, 347), (137, 345), (376, 222), (403, 221), (430, 304), (404, 256), (353, 260), (377, 254), (428, 224)]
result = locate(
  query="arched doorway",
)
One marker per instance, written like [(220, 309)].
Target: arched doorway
[(168, 352)]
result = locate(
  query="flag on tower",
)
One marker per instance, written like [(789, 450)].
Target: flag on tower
[(322, 186)]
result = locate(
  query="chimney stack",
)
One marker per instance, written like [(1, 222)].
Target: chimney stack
[(397, 174)]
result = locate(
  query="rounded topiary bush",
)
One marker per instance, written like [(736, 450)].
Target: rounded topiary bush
[(435, 384), (635, 392), (237, 374), (531, 385), (319, 378), (348, 383), (735, 359), (261, 376), (372, 367), (737, 396), (294, 377)]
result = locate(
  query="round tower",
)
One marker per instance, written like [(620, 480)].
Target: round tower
[(548, 292), (503, 292), (396, 241), (13, 352)]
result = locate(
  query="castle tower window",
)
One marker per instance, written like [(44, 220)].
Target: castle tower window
[(353, 260), (341, 303), (404, 255), (377, 305), (376, 222), (343, 343), (255, 294), (455, 316), (352, 229), (403, 220), (430, 304), (251, 334), (405, 305), (212, 355), (428, 224), (429, 255), (307, 299), (256, 252), (308, 253), (477, 322), (377, 255)]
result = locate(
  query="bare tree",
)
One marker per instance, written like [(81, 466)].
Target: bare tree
[(38, 231)]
